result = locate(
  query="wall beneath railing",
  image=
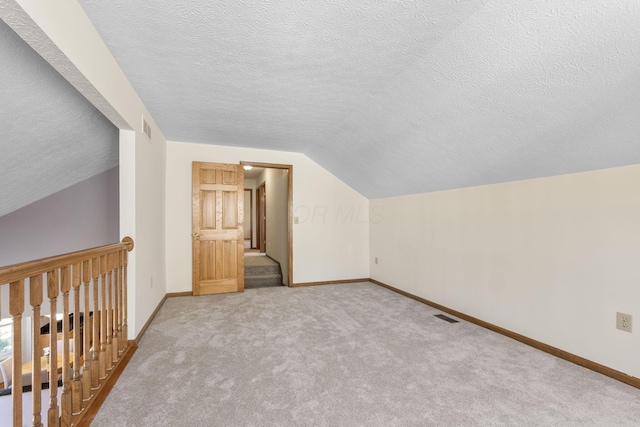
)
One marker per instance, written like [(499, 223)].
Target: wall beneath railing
[(82, 216)]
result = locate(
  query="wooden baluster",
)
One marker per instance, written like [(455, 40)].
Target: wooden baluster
[(78, 326), (16, 308), (88, 322), (117, 328), (65, 399), (109, 311), (114, 306), (125, 304), (99, 341), (122, 338), (35, 299), (52, 294), (95, 362), (103, 319)]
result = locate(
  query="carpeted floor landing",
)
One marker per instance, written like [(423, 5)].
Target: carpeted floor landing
[(347, 355)]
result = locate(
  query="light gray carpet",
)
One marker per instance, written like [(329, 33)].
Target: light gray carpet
[(347, 355)]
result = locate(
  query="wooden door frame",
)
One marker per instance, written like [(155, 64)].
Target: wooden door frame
[(289, 208)]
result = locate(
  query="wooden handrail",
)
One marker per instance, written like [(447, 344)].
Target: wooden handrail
[(91, 286), (14, 272)]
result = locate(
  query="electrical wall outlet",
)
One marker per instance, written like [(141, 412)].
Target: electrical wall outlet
[(624, 322), (376, 260)]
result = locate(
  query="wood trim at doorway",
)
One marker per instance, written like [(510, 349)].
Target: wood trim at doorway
[(289, 208)]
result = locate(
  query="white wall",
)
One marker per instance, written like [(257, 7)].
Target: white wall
[(277, 198), (150, 272), (331, 242), (61, 32), (552, 259)]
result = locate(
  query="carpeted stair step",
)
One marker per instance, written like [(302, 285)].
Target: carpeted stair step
[(260, 266), (261, 271), (264, 280)]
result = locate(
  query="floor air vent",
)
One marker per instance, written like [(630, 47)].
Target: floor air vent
[(446, 318)]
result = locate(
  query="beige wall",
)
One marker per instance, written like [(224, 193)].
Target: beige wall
[(276, 184), (552, 258), (331, 241), (248, 226), (251, 183)]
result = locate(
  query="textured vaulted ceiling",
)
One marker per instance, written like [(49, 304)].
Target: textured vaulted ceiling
[(393, 97), (51, 137)]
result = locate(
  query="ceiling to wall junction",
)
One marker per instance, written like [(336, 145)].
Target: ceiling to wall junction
[(51, 137)]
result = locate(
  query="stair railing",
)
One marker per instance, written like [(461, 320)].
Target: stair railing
[(94, 330)]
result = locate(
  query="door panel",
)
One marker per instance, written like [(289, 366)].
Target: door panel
[(218, 235), (229, 210), (208, 212), (230, 177), (207, 252), (208, 176), (229, 259)]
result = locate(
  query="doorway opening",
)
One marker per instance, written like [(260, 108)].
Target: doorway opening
[(268, 190)]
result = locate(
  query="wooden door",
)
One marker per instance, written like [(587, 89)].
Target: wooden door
[(218, 235)]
